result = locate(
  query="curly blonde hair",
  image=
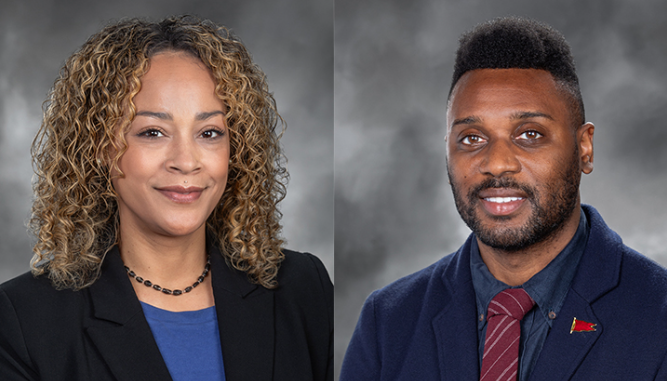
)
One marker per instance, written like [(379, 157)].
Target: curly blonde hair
[(75, 211)]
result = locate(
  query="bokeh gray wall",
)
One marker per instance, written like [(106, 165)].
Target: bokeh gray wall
[(393, 63), (292, 41)]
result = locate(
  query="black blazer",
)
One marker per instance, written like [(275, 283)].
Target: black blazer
[(100, 333)]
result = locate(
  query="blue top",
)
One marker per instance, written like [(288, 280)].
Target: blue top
[(547, 288), (189, 342)]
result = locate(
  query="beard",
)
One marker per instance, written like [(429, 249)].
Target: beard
[(552, 205)]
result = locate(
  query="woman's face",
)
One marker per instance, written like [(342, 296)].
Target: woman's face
[(175, 166)]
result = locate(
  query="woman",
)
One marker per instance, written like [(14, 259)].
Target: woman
[(157, 254)]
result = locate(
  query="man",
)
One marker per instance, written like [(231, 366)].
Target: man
[(542, 289)]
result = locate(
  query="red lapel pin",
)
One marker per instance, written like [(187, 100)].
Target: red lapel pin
[(582, 326)]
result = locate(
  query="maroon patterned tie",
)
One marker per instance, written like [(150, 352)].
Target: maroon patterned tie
[(501, 347)]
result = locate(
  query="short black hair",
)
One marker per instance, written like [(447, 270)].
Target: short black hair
[(520, 43)]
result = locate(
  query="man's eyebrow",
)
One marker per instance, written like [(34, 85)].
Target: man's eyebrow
[(530, 114), (205, 115), (467, 120), (158, 115)]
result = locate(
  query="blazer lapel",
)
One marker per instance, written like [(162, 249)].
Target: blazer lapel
[(455, 326), (245, 320), (119, 329), (598, 273), (563, 351)]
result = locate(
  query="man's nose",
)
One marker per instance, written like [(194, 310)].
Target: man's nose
[(499, 159)]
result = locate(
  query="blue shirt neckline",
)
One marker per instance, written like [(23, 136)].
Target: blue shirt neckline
[(189, 342), (548, 288), (183, 317)]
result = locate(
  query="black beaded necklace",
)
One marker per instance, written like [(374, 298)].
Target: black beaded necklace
[(167, 291)]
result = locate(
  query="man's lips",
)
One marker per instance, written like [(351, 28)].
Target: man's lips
[(180, 194), (501, 193), (502, 201)]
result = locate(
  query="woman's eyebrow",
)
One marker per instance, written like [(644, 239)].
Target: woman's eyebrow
[(167, 116), (206, 115), (158, 115)]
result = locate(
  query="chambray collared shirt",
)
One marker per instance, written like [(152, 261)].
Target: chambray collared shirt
[(547, 288)]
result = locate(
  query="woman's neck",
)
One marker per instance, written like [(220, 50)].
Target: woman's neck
[(170, 262)]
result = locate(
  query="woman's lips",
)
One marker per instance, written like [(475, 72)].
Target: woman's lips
[(181, 194)]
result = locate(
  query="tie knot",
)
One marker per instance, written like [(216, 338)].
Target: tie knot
[(513, 302)]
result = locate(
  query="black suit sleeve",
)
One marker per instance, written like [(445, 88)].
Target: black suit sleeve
[(328, 292), (15, 361)]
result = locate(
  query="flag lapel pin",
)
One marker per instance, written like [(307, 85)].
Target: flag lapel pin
[(582, 326)]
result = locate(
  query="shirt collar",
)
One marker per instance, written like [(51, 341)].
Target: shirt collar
[(548, 287)]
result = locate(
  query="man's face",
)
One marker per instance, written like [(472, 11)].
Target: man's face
[(514, 159)]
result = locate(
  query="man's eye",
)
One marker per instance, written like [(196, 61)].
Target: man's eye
[(530, 135), (472, 139)]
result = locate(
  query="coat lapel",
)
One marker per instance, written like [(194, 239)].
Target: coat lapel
[(246, 322), (123, 337), (455, 326), (563, 351), (119, 329), (598, 273)]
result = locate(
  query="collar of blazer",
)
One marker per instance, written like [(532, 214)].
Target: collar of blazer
[(598, 273), (121, 333)]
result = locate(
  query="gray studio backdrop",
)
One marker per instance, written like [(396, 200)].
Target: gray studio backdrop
[(393, 64), (291, 40)]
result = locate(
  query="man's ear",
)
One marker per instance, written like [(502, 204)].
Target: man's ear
[(585, 142)]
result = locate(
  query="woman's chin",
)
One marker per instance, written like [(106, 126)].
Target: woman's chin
[(180, 229), (183, 231)]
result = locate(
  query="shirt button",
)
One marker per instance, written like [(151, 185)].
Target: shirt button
[(481, 317), (552, 315)]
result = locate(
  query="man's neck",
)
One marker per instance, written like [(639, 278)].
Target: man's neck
[(517, 267)]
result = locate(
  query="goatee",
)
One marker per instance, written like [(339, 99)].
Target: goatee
[(549, 211)]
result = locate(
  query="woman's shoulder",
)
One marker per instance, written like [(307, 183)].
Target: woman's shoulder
[(302, 267), (34, 314), (304, 274), (302, 264), (27, 295), (26, 284)]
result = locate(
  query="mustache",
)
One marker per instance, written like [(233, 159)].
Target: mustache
[(503, 182)]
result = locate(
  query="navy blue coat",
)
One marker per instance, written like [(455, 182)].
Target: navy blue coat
[(424, 326)]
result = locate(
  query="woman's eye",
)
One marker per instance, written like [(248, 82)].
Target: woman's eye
[(212, 134), (530, 135), (151, 133), (472, 140)]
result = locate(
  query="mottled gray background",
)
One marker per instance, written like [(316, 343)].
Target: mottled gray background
[(392, 67), (393, 63), (291, 40)]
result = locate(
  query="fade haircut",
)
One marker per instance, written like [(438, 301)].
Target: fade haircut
[(519, 43)]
